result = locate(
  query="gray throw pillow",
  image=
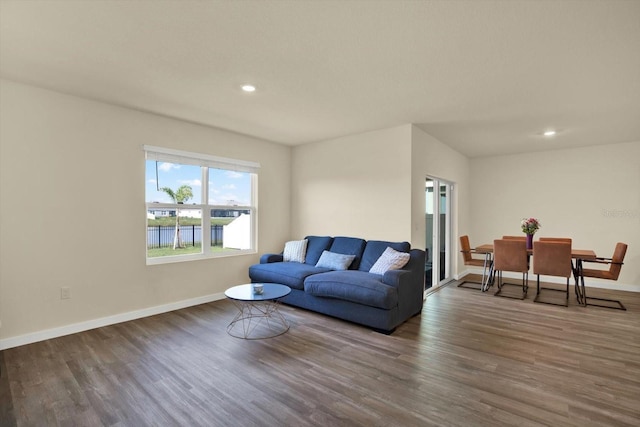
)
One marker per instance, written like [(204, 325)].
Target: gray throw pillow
[(335, 261)]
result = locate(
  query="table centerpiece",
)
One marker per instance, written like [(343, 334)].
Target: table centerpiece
[(529, 227)]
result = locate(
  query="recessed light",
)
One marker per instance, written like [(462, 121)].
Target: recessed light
[(549, 133), (248, 88)]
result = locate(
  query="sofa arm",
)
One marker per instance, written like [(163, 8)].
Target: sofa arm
[(268, 258), (412, 273), (410, 284), (394, 277)]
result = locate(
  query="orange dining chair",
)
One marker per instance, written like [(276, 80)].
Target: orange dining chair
[(511, 255), (556, 239), (485, 263), (615, 265), (552, 258), (522, 238), (576, 288)]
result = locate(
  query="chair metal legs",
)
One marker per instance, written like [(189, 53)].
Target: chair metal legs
[(501, 284), (581, 292), (486, 270), (539, 288), (619, 306), (470, 285)]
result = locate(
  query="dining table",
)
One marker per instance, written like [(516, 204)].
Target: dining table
[(576, 254)]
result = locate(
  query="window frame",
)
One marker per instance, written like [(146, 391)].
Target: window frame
[(204, 161)]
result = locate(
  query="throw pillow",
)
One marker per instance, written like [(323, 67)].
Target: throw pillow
[(335, 261), (390, 260), (295, 250)]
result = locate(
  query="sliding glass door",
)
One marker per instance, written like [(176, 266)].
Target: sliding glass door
[(438, 229)]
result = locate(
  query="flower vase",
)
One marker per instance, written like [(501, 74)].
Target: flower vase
[(529, 241)]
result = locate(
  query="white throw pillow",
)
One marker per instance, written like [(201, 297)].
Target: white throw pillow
[(390, 260), (295, 250)]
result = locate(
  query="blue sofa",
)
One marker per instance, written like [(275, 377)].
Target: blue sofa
[(381, 302)]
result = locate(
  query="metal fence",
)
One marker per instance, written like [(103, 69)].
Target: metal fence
[(191, 235)]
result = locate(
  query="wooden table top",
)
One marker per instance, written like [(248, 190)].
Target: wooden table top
[(575, 253)]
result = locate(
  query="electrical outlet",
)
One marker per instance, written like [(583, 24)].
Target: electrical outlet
[(65, 293)]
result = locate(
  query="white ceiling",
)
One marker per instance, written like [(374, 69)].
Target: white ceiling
[(484, 77)]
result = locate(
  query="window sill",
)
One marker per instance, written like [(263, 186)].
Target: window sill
[(197, 257)]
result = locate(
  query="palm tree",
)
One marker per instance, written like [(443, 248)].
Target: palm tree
[(183, 194)]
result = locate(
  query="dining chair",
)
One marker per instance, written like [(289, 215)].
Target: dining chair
[(552, 258), (523, 238), (576, 288), (511, 255), (556, 239), (485, 263), (615, 265)]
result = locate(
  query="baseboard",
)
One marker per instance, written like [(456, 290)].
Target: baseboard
[(591, 283), (104, 321)]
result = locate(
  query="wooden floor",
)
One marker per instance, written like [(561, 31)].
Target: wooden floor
[(470, 359)]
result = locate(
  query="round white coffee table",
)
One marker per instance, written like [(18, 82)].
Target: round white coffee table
[(258, 315)]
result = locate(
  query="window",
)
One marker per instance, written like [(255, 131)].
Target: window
[(198, 206)]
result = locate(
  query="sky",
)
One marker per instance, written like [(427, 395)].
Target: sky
[(225, 187)]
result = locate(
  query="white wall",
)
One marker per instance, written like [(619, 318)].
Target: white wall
[(590, 194), (358, 185), (372, 185), (430, 157), (64, 162)]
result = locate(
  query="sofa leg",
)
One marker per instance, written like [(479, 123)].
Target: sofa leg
[(384, 331)]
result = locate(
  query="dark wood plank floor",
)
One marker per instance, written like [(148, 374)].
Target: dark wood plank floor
[(470, 359)]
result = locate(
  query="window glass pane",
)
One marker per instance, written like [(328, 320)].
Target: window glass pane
[(229, 188), (172, 176), (178, 225), (230, 230), (163, 238)]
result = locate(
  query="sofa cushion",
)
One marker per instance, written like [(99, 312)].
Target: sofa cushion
[(335, 261), (349, 246), (390, 260), (374, 250), (315, 247), (291, 274), (295, 250), (355, 286)]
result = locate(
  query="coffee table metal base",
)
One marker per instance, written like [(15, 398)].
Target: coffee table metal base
[(257, 320)]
